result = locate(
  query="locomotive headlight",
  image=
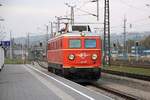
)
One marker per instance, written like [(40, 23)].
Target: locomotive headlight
[(94, 56), (71, 57)]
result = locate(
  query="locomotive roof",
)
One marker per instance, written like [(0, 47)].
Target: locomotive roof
[(72, 34), (79, 34)]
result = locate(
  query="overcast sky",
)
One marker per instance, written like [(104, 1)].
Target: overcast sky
[(22, 16)]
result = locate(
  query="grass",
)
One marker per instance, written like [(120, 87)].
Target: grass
[(140, 71), (14, 61)]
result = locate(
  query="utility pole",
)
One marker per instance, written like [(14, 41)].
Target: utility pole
[(124, 39), (22, 55), (46, 42), (97, 10), (58, 23), (107, 54), (1, 19), (11, 45), (47, 36), (72, 13), (28, 44), (51, 27), (97, 1)]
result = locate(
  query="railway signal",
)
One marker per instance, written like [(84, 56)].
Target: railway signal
[(114, 45), (41, 44), (137, 43), (137, 50)]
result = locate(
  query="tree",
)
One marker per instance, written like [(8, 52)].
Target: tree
[(146, 42), (129, 44), (120, 48)]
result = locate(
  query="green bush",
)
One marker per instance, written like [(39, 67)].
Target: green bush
[(133, 70), (15, 61)]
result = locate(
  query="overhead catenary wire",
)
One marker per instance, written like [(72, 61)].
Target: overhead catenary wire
[(84, 3), (132, 22), (86, 12), (132, 6), (80, 9)]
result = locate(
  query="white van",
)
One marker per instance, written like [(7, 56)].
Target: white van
[(1, 58)]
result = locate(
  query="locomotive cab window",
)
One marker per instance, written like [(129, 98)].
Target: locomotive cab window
[(75, 43), (90, 43)]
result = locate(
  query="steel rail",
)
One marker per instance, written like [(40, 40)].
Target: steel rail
[(116, 92)]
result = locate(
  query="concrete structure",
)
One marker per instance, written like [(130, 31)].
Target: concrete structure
[(26, 82)]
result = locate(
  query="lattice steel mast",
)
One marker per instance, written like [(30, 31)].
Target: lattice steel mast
[(106, 34)]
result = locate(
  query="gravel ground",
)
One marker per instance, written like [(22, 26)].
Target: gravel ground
[(135, 87), (130, 82), (105, 93), (44, 64)]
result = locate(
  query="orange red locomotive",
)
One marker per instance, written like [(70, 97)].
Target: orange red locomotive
[(76, 54)]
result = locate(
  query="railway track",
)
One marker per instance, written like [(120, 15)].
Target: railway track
[(41, 65), (116, 92), (130, 75), (112, 91)]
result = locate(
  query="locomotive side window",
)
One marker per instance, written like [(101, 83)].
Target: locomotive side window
[(75, 43), (90, 43)]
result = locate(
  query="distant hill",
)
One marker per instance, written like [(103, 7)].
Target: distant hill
[(35, 40), (130, 36)]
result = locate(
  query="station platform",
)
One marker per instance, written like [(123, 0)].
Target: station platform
[(26, 82)]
